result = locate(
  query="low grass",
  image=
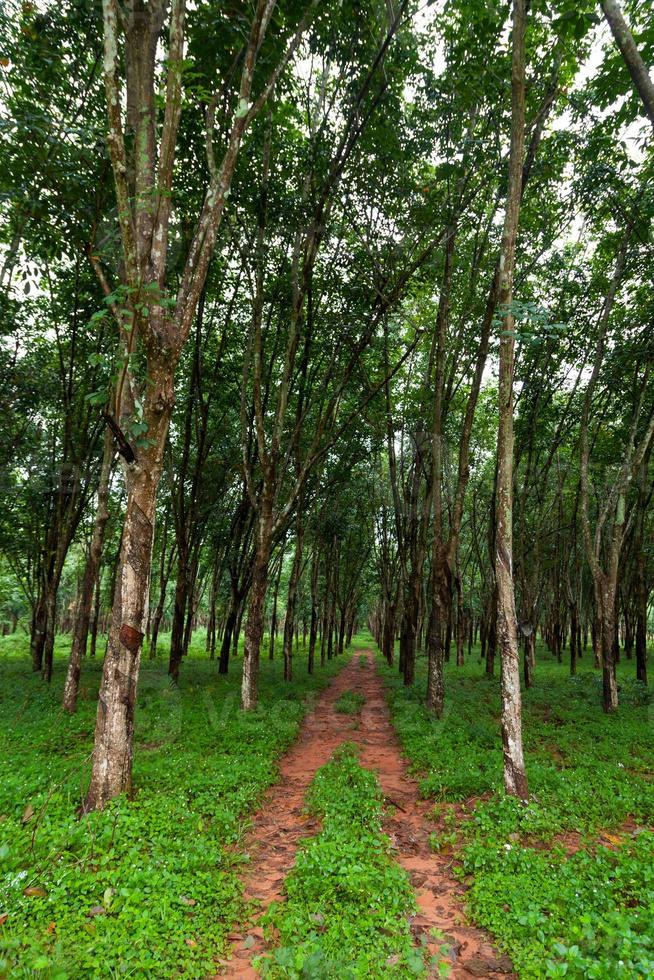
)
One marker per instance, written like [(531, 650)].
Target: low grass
[(350, 703), (150, 886), (345, 917), (584, 914)]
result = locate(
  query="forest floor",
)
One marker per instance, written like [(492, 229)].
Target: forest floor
[(451, 945), (376, 830), (150, 886), (565, 883)]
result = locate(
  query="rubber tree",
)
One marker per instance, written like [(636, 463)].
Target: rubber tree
[(445, 546), (604, 537), (153, 318), (515, 778)]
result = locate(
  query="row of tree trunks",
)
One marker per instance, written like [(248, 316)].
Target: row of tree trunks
[(90, 580)]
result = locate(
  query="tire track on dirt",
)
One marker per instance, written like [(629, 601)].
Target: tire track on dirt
[(281, 824)]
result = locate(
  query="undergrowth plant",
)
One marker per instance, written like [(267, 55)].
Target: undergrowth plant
[(350, 703)]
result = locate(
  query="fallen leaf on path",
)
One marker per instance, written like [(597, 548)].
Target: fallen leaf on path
[(28, 813), (35, 891)]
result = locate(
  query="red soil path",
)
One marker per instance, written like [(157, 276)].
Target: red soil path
[(280, 825)]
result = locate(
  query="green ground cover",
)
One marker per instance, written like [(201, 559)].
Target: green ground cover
[(557, 913), (345, 917), (350, 703), (149, 887)]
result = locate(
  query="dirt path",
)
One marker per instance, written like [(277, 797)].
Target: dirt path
[(280, 825)]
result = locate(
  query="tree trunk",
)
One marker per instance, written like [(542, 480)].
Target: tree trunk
[(408, 636), (192, 603), (236, 634), (388, 637), (460, 622), (257, 605), (112, 756), (515, 779), (641, 644), (164, 574), (95, 622), (291, 599), (605, 595), (341, 632), (529, 658), (213, 599), (596, 631), (491, 636), (323, 627), (273, 618), (226, 642), (635, 64), (350, 629), (50, 617), (641, 590), (574, 640), (313, 628), (78, 648), (331, 612), (437, 621), (37, 641), (448, 631), (179, 612)]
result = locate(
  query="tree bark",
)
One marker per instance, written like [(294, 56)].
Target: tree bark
[(291, 599), (257, 604), (80, 634), (143, 180), (37, 640), (605, 598), (515, 779), (627, 46), (112, 756), (574, 638), (529, 658), (460, 619), (435, 700), (226, 643), (389, 633), (95, 621), (179, 613), (313, 627), (273, 617), (641, 590)]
